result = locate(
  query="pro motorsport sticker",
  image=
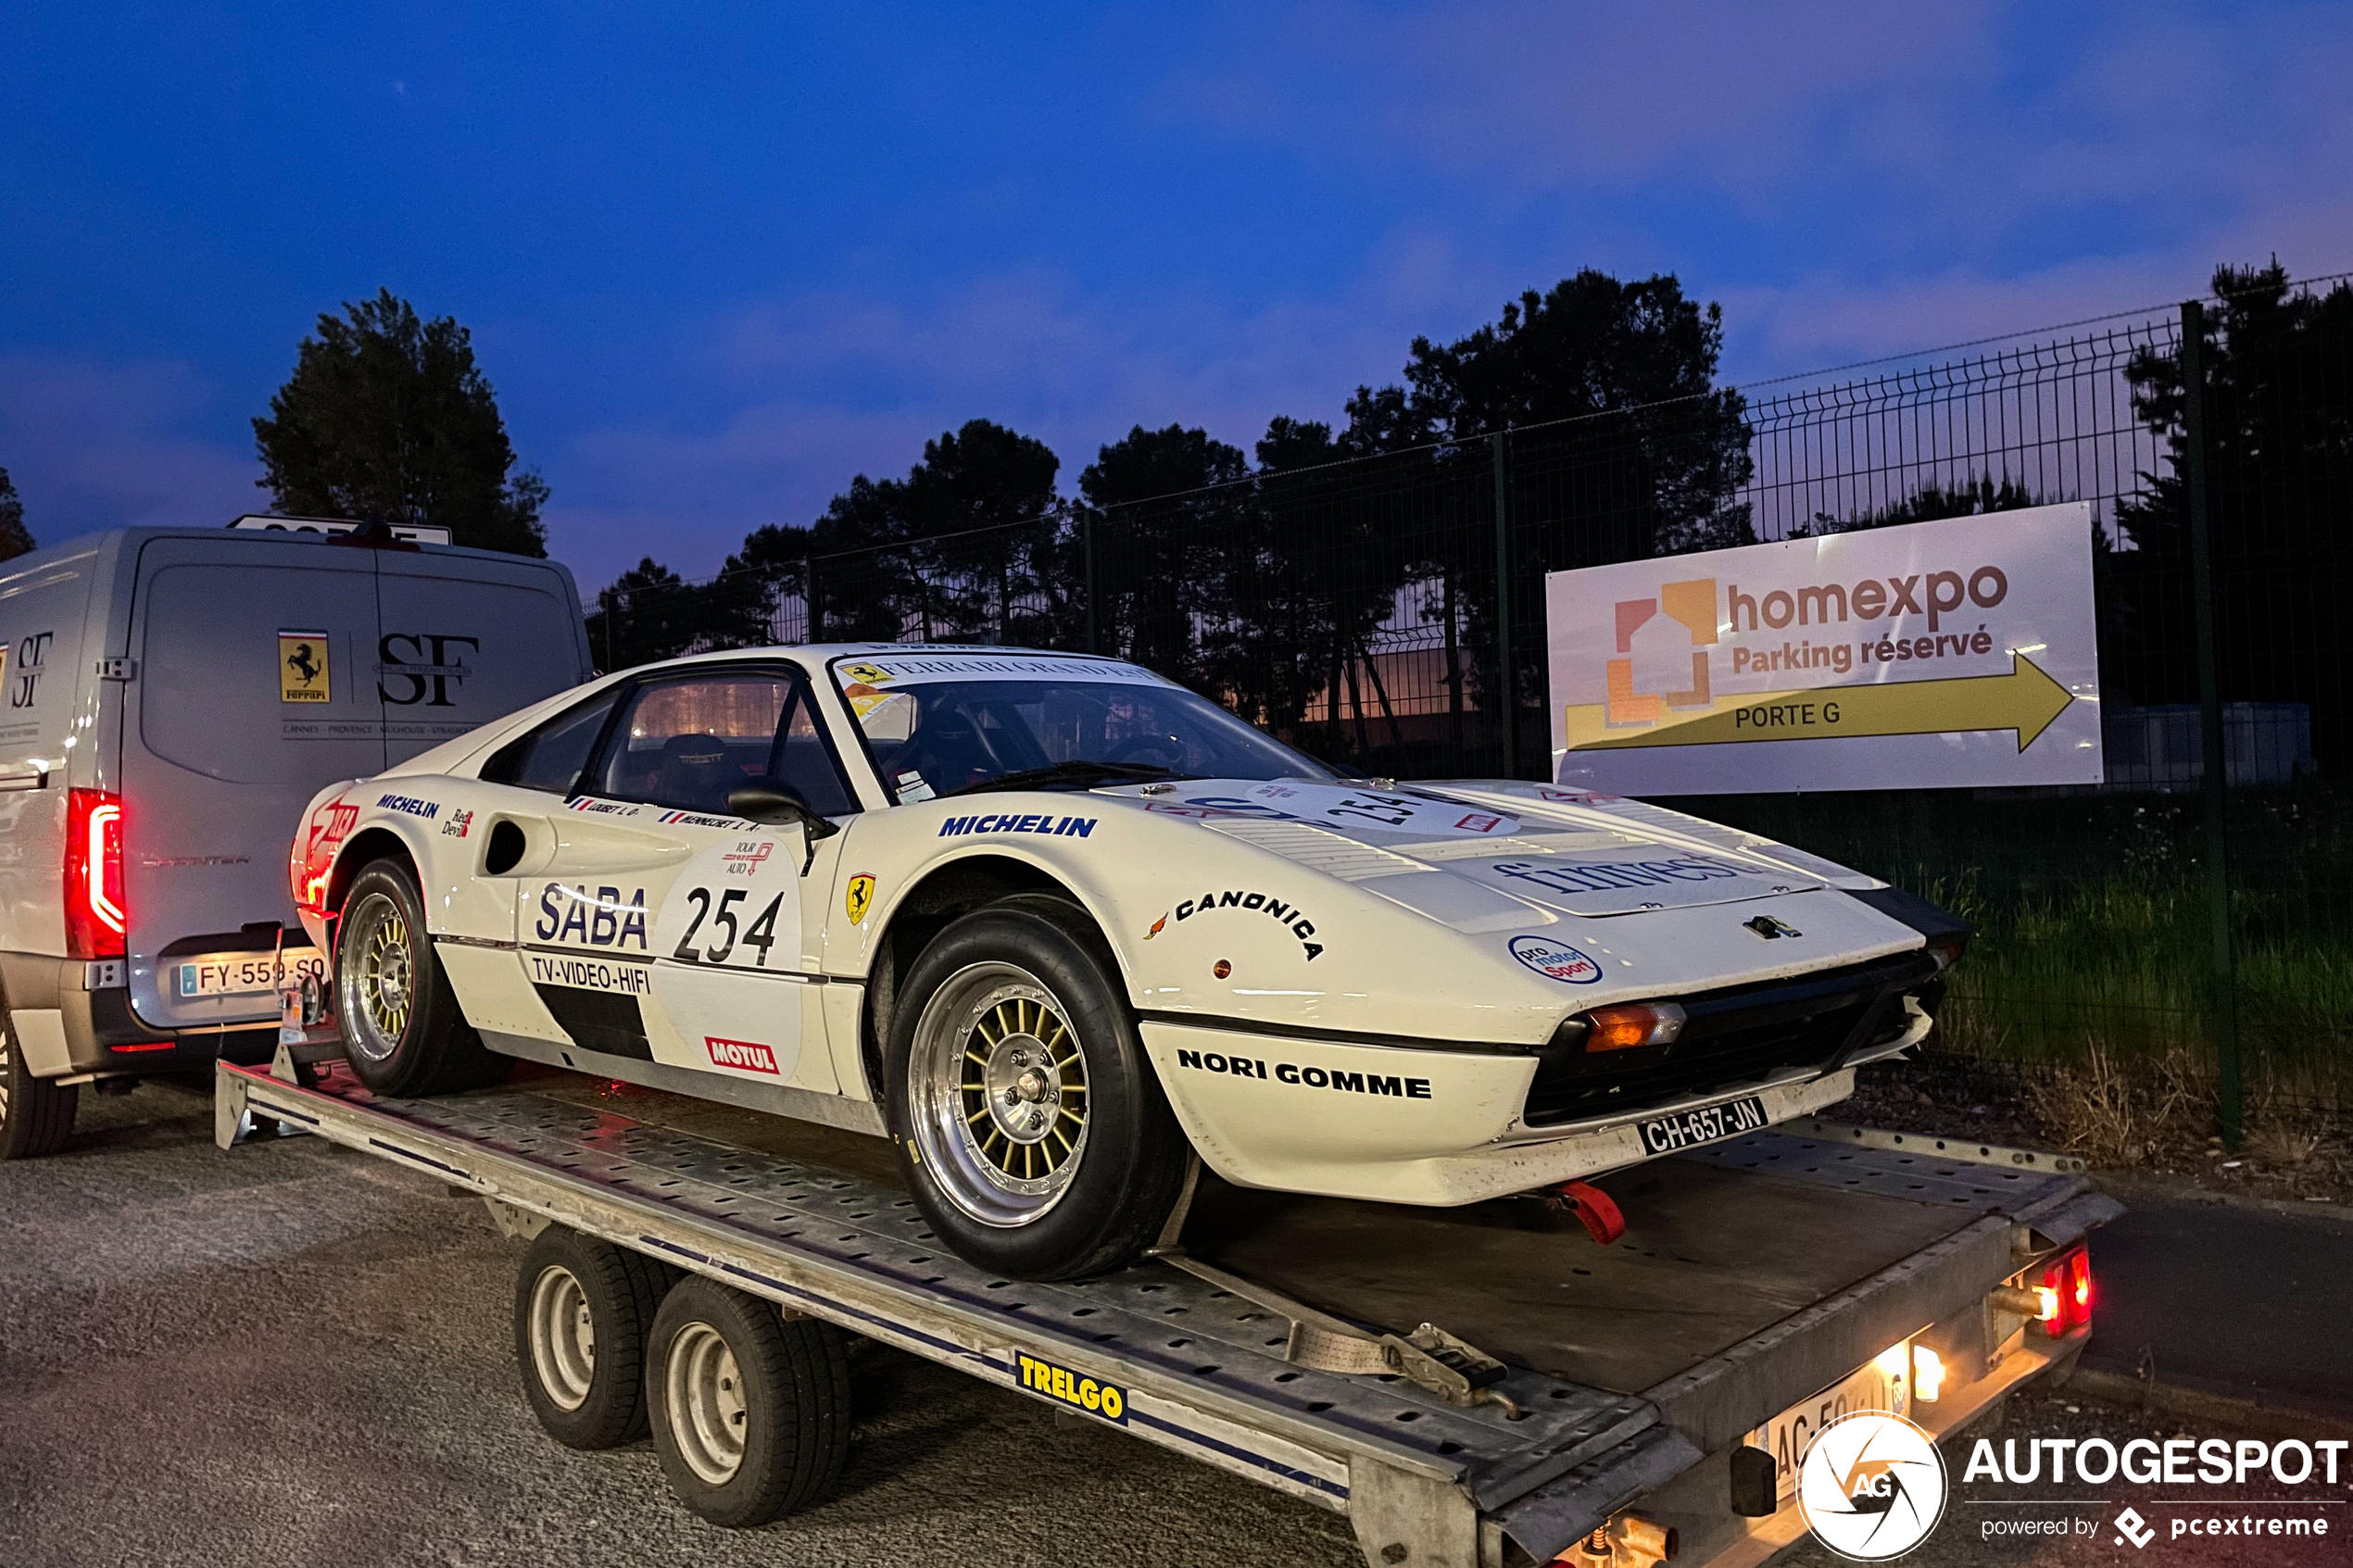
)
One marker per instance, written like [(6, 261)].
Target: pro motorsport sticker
[(1555, 961)]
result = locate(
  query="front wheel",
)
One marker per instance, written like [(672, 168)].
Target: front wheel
[(1027, 1118), (402, 1031)]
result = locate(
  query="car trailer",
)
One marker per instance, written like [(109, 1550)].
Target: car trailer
[(1759, 1278)]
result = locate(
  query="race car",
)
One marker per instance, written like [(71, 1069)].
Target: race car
[(1054, 925)]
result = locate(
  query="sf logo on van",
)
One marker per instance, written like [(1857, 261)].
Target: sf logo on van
[(418, 667), (32, 654), (1871, 1485)]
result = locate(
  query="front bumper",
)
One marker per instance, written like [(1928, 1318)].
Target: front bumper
[(1444, 1127)]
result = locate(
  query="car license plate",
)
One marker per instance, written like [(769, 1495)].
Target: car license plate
[(242, 974), (1878, 1386), (1689, 1129)]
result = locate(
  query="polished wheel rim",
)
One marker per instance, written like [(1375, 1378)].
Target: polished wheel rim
[(563, 1337), (703, 1396), (999, 1080), (378, 976)]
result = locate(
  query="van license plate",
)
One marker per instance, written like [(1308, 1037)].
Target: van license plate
[(1708, 1124), (242, 974), (1871, 1388)]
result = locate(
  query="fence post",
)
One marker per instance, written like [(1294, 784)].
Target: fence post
[(2222, 1008), (1087, 549), (812, 630), (1507, 671)]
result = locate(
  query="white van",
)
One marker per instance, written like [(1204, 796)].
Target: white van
[(170, 699)]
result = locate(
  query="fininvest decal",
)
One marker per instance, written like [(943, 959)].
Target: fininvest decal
[(1947, 654)]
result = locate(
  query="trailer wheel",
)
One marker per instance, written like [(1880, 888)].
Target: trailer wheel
[(1028, 1120), (582, 1309), (750, 1412), (403, 1033), (36, 1115)]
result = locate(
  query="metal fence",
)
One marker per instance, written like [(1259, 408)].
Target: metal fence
[(1386, 613)]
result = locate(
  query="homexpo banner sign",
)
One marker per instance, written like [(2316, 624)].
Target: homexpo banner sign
[(1947, 654)]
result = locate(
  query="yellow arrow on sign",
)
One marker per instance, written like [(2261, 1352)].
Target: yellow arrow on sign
[(2025, 700)]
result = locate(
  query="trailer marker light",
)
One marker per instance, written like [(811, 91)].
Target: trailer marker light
[(1631, 1024), (1891, 1361), (1927, 1375), (2065, 1293)]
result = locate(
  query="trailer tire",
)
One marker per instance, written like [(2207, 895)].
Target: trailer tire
[(583, 1310), (1058, 1155), (36, 1116), (402, 1030), (750, 1411)]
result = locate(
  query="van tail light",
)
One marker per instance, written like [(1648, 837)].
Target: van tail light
[(2064, 1294), (96, 909)]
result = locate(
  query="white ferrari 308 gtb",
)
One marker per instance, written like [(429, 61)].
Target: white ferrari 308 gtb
[(1053, 924)]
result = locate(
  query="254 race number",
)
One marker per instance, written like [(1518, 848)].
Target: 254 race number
[(722, 912)]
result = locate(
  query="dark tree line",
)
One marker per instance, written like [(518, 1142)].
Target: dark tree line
[(1265, 576)]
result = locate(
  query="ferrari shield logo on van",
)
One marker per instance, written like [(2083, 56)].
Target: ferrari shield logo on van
[(302, 667)]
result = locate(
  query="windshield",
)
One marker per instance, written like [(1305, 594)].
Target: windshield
[(939, 724)]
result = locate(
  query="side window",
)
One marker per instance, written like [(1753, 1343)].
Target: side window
[(687, 743), (553, 756)]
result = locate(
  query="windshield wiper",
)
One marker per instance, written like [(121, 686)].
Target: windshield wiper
[(1076, 773)]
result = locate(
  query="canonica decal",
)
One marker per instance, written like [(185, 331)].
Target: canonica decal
[(1288, 915), (1555, 961)]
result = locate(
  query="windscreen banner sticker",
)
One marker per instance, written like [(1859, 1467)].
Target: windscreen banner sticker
[(1555, 961), (590, 974), (910, 669), (303, 674), (1074, 1389)]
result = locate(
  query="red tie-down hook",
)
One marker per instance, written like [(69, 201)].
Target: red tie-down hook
[(1603, 1221)]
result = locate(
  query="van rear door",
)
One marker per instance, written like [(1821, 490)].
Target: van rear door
[(464, 639), (255, 686)]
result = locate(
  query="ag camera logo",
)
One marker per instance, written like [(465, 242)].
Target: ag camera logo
[(1871, 1485), (1555, 961)]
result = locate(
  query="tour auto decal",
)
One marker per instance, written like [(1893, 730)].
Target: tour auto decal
[(726, 944), (1554, 960), (1871, 1485)]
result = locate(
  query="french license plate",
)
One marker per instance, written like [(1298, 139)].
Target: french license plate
[(241, 975), (1874, 1387), (1708, 1124)]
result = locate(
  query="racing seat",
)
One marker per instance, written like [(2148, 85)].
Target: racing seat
[(696, 773), (947, 751)]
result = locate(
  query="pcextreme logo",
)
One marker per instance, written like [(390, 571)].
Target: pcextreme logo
[(1871, 1485)]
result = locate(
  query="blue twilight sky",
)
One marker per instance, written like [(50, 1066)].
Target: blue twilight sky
[(718, 258)]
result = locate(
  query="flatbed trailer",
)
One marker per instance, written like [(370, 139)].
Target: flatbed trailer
[(1756, 1277)]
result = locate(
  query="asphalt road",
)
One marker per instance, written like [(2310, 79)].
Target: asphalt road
[(294, 1353), (2228, 1299)]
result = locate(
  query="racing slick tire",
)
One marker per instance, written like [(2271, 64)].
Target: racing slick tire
[(36, 1115), (750, 1410), (584, 1308), (402, 1031), (1027, 1118)]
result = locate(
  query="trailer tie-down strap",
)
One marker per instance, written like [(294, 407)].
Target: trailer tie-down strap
[(1461, 1373)]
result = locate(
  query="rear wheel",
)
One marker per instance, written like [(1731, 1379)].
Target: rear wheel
[(584, 1308), (35, 1115), (402, 1030), (750, 1412), (1031, 1123)]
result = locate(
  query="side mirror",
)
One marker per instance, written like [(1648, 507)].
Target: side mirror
[(775, 802)]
